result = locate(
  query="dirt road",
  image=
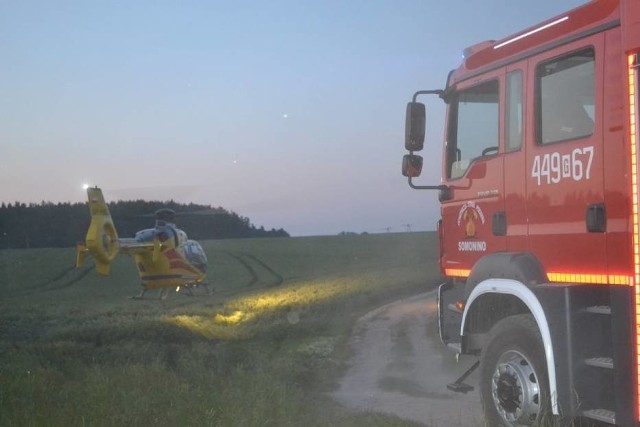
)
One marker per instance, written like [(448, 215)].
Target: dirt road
[(399, 366)]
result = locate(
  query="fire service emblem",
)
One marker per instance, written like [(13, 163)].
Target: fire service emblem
[(470, 217)]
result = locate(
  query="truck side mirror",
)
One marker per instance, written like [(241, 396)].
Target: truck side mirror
[(411, 165), (414, 126)]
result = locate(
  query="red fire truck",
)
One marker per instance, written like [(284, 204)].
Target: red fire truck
[(540, 217)]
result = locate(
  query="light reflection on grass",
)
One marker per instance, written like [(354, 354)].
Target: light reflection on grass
[(238, 315)]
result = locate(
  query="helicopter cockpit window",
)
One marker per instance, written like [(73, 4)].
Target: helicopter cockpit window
[(473, 130), (195, 254)]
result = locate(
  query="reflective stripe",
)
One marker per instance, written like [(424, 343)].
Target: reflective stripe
[(633, 143), (591, 278)]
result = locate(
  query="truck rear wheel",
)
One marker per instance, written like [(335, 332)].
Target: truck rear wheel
[(514, 385)]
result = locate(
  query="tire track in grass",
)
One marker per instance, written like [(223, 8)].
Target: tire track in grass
[(254, 276), (72, 274), (279, 278), (76, 276), (42, 284), (246, 260)]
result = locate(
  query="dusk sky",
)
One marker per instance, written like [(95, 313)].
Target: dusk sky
[(290, 113)]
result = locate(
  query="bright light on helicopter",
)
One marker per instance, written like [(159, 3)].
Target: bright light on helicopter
[(85, 186)]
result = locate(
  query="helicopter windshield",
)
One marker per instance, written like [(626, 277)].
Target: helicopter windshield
[(195, 254)]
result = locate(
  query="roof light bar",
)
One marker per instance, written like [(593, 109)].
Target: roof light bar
[(534, 31)]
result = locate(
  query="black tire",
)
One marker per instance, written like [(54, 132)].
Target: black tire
[(514, 383)]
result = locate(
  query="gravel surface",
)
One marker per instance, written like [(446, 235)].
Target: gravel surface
[(399, 366)]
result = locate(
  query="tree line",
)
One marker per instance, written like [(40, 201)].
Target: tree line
[(49, 225)]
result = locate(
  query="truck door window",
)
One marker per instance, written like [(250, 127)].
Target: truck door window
[(513, 122), (473, 130), (565, 96)]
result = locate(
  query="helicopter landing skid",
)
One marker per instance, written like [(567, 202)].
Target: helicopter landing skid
[(185, 289), (189, 290), (161, 296)]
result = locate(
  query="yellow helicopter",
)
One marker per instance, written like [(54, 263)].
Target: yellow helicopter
[(164, 256)]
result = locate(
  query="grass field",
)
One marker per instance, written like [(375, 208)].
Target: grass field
[(263, 350)]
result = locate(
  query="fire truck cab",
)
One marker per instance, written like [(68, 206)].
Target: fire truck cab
[(540, 224)]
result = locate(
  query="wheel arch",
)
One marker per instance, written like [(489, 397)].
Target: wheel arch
[(519, 299)]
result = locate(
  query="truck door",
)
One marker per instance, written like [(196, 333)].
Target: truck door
[(565, 191), (471, 212)]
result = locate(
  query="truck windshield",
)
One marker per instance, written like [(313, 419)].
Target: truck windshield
[(473, 127)]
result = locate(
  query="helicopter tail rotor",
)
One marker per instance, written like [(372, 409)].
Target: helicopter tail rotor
[(101, 240)]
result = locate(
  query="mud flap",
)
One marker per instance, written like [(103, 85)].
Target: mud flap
[(449, 318)]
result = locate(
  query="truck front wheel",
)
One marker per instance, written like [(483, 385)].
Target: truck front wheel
[(514, 385)]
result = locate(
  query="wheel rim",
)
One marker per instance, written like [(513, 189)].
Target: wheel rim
[(515, 389)]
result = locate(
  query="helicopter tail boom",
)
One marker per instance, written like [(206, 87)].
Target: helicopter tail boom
[(101, 240)]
